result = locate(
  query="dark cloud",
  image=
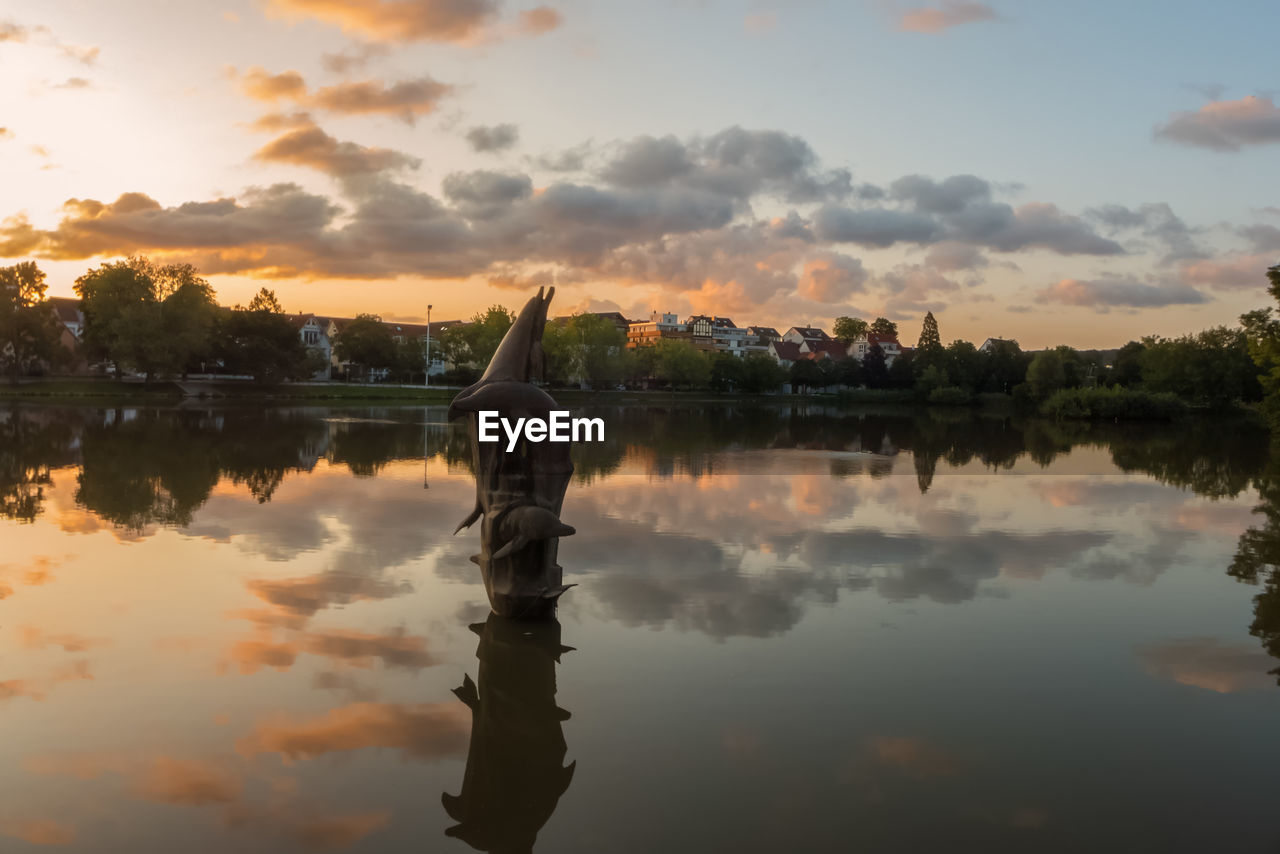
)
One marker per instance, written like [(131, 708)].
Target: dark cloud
[(493, 138), (310, 146), (948, 14), (566, 160), (482, 194), (735, 163), (949, 257), (1265, 238), (1156, 221), (950, 195), (1103, 294), (874, 227), (1225, 125)]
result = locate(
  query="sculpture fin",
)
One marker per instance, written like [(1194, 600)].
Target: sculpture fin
[(467, 693), (470, 520), (515, 545)]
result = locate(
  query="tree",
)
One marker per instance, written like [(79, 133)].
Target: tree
[(367, 342), (761, 373), (964, 365), (261, 341), (883, 326), (726, 372), (930, 340), (1126, 370), (681, 364), (473, 344), (806, 374), (850, 372), (875, 372), (1046, 374), (28, 327), (848, 329), (147, 318)]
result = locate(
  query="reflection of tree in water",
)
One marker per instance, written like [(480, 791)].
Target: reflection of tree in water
[(29, 449), (515, 772), (1257, 561)]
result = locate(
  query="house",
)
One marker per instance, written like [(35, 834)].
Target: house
[(763, 334), (616, 318), (860, 346), (717, 333), (832, 349), (785, 353), (992, 344), (314, 332), (801, 334), (647, 333)]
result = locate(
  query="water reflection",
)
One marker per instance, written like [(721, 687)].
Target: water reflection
[(515, 771)]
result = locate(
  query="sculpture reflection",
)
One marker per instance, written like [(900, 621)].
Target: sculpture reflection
[(515, 771), (519, 492)]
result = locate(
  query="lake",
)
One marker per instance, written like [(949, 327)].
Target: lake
[(795, 628)]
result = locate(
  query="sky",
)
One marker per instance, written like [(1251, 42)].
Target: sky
[(1083, 173)]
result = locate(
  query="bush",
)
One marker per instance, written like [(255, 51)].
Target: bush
[(1113, 403), (950, 395)]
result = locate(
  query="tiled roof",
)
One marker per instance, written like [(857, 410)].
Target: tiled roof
[(788, 350)]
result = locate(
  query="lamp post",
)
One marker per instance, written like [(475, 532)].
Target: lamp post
[(426, 380)]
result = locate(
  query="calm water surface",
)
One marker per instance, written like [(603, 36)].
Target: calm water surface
[(227, 629)]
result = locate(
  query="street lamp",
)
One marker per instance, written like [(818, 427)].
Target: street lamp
[(426, 380)]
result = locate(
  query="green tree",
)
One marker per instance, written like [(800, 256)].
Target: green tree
[(473, 344), (875, 371), (806, 374), (884, 326), (1126, 370), (1046, 374), (261, 341), (28, 327), (850, 372), (147, 318), (726, 372), (681, 364), (848, 329), (930, 340), (964, 365), (367, 343), (761, 374)]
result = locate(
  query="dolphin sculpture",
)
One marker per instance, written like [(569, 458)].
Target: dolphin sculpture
[(518, 493)]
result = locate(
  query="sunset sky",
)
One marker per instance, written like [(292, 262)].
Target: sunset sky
[(1080, 173)]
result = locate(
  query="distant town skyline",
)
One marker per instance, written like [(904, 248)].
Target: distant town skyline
[(1075, 174)]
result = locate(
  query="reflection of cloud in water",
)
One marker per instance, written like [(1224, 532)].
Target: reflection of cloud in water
[(396, 649), (420, 731), (1209, 664)]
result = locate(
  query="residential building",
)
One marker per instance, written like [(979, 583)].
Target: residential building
[(785, 353), (647, 333), (860, 346), (801, 334), (992, 343), (314, 332)]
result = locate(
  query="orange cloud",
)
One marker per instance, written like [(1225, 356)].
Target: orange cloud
[(407, 100), (187, 782), (952, 13), (396, 20), (37, 831), (262, 85), (1206, 663), (312, 147), (35, 638), (1226, 125), (542, 19), (423, 731)]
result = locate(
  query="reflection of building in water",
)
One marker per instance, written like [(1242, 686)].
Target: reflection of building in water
[(515, 771)]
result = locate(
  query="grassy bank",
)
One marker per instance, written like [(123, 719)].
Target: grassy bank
[(1113, 403)]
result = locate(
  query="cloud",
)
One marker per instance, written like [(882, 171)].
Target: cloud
[(35, 638), (493, 138), (1232, 271), (407, 100), (949, 257), (1225, 125), (82, 54), (482, 194), (832, 278), (11, 32), (346, 61), (186, 782), (1102, 294), (1207, 663), (950, 195), (37, 831), (5, 133), (1156, 221), (74, 83), (539, 20), (310, 146), (951, 13), (396, 20), (422, 731), (874, 228), (1265, 238), (735, 163)]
